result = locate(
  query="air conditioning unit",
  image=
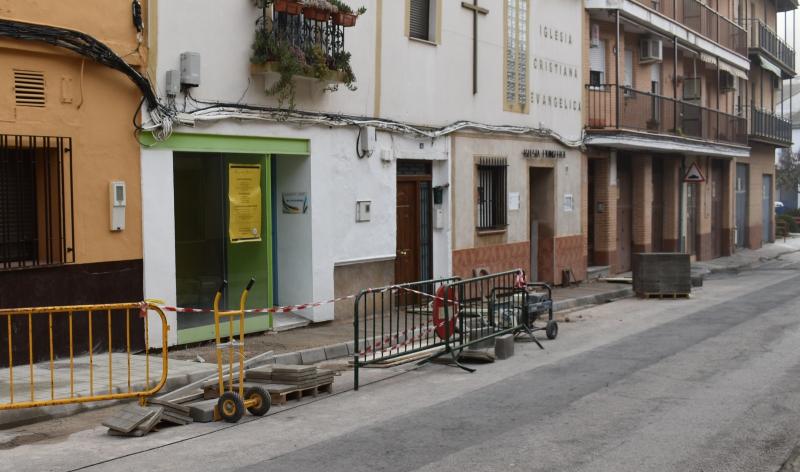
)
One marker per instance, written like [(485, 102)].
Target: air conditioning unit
[(650, 50), (692, 89), (727, 82)]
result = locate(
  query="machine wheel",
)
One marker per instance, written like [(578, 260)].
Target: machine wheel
[(261, 398), (551, 330), (230, 407)]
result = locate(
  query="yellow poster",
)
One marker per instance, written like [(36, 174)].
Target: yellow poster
[(244, 195)]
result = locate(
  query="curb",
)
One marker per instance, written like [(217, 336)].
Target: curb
[(592, 299), (746, 265), (12, 418)]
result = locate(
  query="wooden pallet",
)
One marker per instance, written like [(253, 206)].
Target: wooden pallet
[(282, 397), (664, 295)]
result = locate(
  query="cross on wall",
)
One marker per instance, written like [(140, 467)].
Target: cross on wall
[(476, 10)]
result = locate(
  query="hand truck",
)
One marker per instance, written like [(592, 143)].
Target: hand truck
[(233, 401)]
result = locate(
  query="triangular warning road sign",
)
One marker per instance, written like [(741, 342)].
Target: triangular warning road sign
[(694, 174)]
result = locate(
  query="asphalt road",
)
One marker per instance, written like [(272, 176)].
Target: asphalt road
[(706, 384)]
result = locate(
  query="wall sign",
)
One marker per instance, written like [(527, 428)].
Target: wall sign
[(294, 203), (244, 196), (569, 202), (513, 201), (544, 153)]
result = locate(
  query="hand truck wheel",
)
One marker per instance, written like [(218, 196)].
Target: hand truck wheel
[(230, 407), (551, 330), (260, 397)]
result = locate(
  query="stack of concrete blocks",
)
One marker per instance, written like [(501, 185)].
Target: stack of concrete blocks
[(662, 273)]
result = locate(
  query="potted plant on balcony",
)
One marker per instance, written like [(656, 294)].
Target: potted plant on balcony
[(318, 10), (346, 16), (291, 7)]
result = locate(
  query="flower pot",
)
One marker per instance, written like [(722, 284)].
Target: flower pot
[(316, 14), (288, 6), (344, 19)]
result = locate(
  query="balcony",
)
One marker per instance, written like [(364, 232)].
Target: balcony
[(770, 128), (704, 20), (761, 39), (650, 113), (298, 42)]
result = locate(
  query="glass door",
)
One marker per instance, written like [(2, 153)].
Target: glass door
[(222, 232)]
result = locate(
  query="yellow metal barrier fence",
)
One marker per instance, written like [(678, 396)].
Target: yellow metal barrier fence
[(100, 332)]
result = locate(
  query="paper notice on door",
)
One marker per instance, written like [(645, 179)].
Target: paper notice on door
[(244, 197)]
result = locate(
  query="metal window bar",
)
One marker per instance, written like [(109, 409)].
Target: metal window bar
[(302, 33), (492, 191), (36, 201)]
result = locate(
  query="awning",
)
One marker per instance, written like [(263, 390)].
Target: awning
[(724, 66), (708, 58), (732, 70), (767, 65)]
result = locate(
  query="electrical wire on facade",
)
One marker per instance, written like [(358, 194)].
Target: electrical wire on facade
[(163, 117)]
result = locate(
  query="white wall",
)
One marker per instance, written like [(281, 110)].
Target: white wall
[(432, 84), (223, 35), (294, 258), (158, 238)]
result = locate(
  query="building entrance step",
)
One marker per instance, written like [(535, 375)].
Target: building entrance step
[(597, 272)]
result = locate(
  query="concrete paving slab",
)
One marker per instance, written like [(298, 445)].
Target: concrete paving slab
[(312, 356), (336, 351)]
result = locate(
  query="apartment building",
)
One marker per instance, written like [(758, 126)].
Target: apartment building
[(680, 125)]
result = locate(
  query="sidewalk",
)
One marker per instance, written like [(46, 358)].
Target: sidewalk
[(180, 373), (313, 342), (749, 258)]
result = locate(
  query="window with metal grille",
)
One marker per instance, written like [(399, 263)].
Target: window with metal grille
[(492, 185), (36, 205), (419, 24), (29, 88)]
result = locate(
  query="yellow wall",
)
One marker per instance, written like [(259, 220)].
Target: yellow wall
[(94, 107)]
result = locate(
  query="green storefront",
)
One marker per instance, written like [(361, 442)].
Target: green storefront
[(224, 211)]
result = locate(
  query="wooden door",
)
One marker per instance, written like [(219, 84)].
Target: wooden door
[(624, 213), (407, 267), (742, 183), (716, 207)]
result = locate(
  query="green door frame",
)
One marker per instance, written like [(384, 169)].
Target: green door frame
[(267, 146)]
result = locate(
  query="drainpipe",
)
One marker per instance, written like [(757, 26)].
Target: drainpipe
[(675, 84), (682, 207), (616, 68)]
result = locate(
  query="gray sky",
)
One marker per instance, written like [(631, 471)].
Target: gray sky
[(792, 21)]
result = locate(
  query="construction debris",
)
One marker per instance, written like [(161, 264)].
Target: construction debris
[(134, 420), (137, 421)]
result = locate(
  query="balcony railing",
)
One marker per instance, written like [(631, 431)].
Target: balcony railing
[(301, 33), (761, 37), (652, 113), (704, 20), (770, 127)]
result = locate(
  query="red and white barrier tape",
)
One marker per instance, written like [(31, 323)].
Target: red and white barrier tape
[(304, 306)]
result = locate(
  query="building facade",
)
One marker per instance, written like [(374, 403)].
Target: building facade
[(66, 145), (446, 159), (681, 132)]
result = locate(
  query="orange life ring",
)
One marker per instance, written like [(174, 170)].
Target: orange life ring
[(438, 304)]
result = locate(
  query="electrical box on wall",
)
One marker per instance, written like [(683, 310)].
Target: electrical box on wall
[(118, 203), (367, 139), (438, 218), (190, 69), (363, 210), (173, 83)]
